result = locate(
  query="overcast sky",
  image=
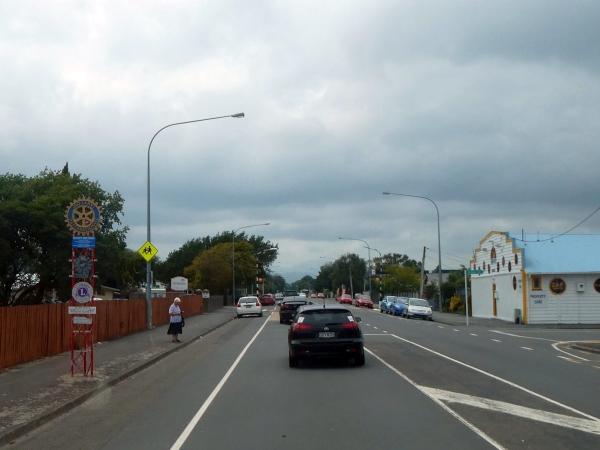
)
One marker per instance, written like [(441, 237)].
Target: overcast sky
[(490, 108)]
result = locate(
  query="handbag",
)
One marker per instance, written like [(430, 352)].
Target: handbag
[(182, 321)]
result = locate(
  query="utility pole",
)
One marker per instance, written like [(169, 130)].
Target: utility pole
[(422, 273)]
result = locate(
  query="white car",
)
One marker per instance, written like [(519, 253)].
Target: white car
[(248, 305), (418, 307)]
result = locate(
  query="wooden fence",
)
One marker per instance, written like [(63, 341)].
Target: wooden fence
[(36, 331)]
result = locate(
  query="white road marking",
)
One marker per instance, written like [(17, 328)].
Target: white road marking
[(445, 407), (520, 336), (368, 324), (496, 377), (385, 331), (496, 340), (567, 359), (555, 347), (375, 334), (456, 329), (375, 328), (473, 334), (439, 326), (185, 434), (574, 423), (527, 348)]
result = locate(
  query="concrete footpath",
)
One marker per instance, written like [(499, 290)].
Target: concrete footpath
[(34, 393)]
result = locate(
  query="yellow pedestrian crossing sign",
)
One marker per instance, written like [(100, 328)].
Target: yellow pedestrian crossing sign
[(148, 251)]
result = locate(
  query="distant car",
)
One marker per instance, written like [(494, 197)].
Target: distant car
[(267, 299), (418, 307), (313, 295), (328, 331), (364, 301), (302, 294), (384, 304), (288, 307), (344, 299), (278, 297), (248, 306), (398, 306), (290, 293), (320, 295)]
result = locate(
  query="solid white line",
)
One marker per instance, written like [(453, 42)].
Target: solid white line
[(574, 423), (442, 405), (472, 334), (375, 334), (527, 348), (185, 434), (495, 377), (520, 336), (555, 347), (496, 340), (567, 359)]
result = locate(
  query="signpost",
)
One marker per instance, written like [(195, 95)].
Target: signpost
[(83, 217)]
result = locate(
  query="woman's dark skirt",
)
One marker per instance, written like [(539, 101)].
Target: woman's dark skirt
[(175, 328)]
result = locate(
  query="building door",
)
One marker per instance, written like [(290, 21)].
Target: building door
[(494, 307)]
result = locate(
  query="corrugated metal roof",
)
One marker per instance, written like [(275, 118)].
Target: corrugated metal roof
[(570, 253)]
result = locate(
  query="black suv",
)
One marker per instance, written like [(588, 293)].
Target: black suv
[(288, 307), (325, 331)]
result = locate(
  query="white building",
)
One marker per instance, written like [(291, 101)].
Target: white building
[(537, 278)]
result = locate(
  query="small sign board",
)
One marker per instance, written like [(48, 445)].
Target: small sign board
[(148, 251), (474, 271), (205, 294), (82, 292), (83, 242), (179, 284), (78, 320), (82, 310)]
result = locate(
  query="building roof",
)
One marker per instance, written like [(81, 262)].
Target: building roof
[(569, 253)]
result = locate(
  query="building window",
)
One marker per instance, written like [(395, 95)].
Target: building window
[(493, 255), (503, 261), (536, 282), (597, 285), (497, 267), (514, 283), (558, 285), (516, 259), (489, 268), (509, 266)]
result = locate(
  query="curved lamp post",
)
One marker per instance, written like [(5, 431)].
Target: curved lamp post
[(439, 239), (369, 253), (149, 264), (233, 252)]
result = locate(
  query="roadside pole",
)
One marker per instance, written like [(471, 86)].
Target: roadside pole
[(466, 298), (422, 273)]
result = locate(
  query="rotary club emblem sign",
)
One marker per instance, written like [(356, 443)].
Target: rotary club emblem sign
[(83, 217)]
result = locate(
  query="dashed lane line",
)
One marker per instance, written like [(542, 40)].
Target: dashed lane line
[(496, 377), (496, 340), (561, 420), (439, 326), (456, 329), (473, 334), (527, 348)]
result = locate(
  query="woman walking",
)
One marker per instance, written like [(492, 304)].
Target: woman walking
[(175, 320)]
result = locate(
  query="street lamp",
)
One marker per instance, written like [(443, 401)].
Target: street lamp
[(233, 252), (149, 264), (369, 253), (439, 239)]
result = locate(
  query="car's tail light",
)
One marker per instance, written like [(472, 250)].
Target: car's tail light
[(239, 304), (350, 326), (257, 303), (301, 327)]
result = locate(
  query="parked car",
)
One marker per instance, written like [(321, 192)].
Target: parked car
[(364, 301), (267, 299), (328, 331), (344, 299), (313, 295), (384, 304), (320, 295), (398, 306), (248, 306), (417, 307), (288, 307)]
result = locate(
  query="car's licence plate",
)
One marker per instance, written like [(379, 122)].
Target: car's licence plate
[(248, 306), (326, 334)]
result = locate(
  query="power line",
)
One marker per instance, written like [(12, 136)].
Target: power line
[(578, 224)]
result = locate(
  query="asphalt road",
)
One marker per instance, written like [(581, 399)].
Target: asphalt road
[(424, 386)]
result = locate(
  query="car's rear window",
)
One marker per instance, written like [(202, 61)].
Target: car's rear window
[(418, 302), (326, 316), (248, 300)]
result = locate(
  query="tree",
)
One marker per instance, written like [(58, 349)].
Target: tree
[(306, 282), (400, 280), (34, 241), (274, 283), (211, 269), (337, 274)]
